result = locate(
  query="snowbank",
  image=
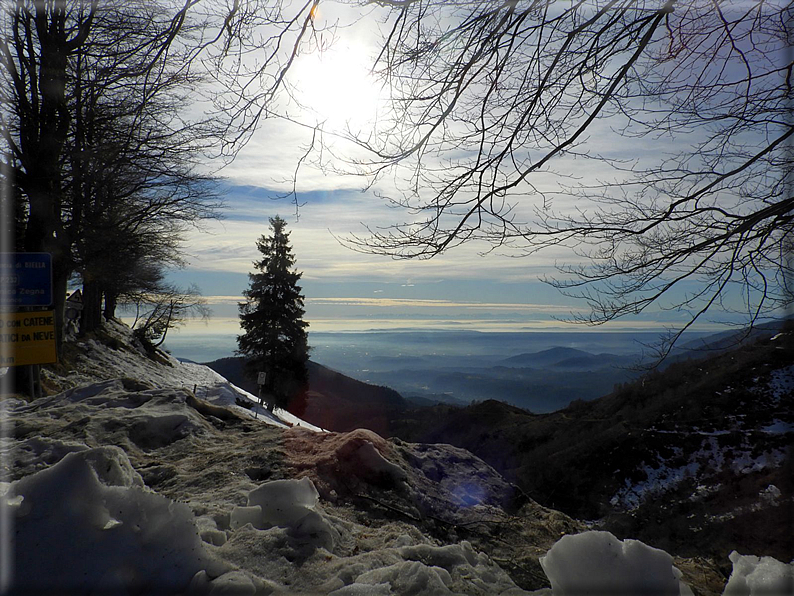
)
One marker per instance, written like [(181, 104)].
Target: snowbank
[(123, 358)]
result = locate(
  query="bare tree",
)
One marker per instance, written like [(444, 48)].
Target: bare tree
[(132, 183), (496, 106), (165, 308), (684, 107), (38, 41), (96, 95)]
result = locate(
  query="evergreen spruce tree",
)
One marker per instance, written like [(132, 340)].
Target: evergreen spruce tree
[(275, 338)]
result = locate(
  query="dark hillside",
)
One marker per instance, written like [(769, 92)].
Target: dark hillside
[(334, 401)]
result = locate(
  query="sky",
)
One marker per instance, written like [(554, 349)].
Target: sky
[(347, 290)]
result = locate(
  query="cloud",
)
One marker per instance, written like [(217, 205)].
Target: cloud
[(409, 303), (446, 305), (230, 245)]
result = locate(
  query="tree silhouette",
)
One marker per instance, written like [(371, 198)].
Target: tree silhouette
[(164, 308), (95, 141), (275, 338), (97, 97), (650, 138)]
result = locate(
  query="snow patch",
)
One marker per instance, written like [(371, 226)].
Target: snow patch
[(709, 459), (781, 383), (778, 427)]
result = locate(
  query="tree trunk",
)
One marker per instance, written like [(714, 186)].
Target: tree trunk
[(42, 136), (111, 302), (91, 318), (45, 234)]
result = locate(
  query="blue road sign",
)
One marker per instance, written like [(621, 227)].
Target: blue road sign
[(26, 279)]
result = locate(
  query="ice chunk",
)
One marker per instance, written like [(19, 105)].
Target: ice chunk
[(598, 563), (757, 576)]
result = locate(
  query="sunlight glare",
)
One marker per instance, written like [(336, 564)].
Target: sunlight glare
[(336, 87)]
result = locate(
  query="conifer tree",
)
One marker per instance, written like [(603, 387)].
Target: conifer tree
[(275, 338)]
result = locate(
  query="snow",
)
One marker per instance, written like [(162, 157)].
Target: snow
[(759, 576), (596, 562), (656, 481), (128, 361), (87, 519), (710, 458), (217, 390), (778, 427), (89, 524), (106, 531), (781, 383)]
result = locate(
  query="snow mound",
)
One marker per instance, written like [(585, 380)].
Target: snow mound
[(87, 524), (759, 576), (288, 504), (598, 563)]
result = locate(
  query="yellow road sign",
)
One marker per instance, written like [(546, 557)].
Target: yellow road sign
[(27, 338)]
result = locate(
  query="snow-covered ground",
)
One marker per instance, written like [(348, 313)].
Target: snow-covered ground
[(127, 360), (125, 483)]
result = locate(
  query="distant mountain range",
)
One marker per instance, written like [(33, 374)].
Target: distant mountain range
[(539, 388), (569, 358)]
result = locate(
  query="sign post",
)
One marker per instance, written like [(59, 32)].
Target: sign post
[(261, 379), (26, 279), (30, 337), (27, 338)]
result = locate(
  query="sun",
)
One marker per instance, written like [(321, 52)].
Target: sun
[(336, 89)]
